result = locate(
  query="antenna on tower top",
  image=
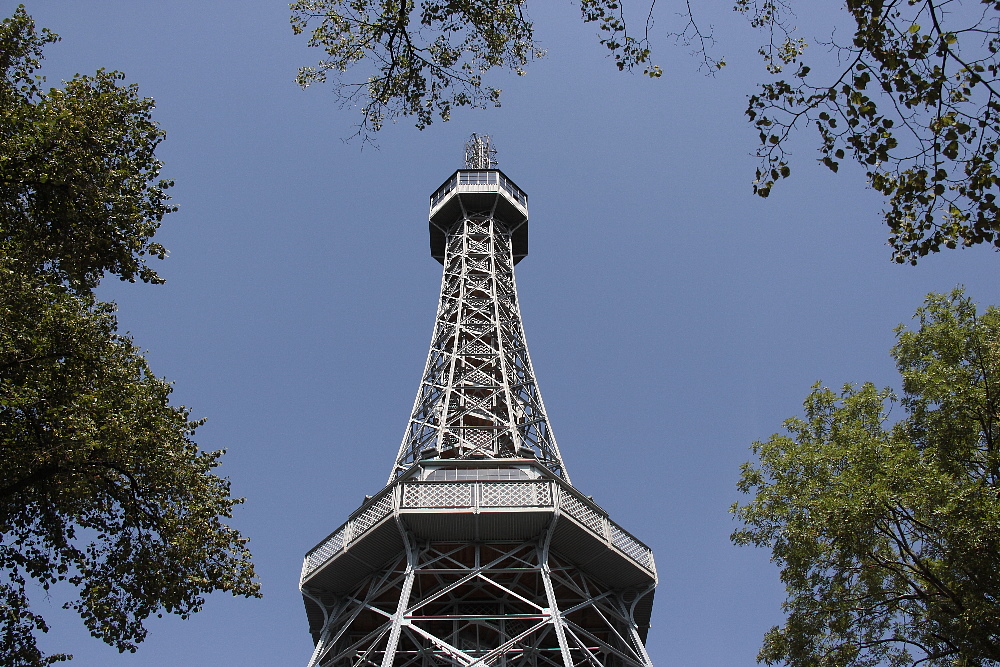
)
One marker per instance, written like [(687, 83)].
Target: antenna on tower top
[(480, 153)]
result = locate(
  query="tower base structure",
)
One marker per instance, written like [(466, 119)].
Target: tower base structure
[(547, 580)]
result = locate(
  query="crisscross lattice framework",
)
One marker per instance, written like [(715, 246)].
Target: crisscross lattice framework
[(461, 604), (478, 397)]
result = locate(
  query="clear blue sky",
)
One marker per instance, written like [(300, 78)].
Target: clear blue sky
[(673, 318)]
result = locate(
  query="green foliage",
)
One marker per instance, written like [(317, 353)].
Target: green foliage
[(888, 536), (101, 486), (80, 193), (425, 61), (913, 98), (627, 51), (915, 101), (415, 75)]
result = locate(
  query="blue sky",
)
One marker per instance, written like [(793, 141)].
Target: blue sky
[(673, 318)]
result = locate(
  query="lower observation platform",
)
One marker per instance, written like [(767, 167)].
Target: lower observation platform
[(480, 502)]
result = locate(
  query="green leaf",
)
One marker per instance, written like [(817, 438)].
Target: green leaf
[(887, 530), (102, 486)]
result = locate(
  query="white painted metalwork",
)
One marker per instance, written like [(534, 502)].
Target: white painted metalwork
[(479, 181), (464, 604), (474, 495), (480, 153), (478, 397), (479, 552)]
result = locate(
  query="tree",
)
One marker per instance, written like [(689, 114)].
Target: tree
[(914, 99), (102, 489), (888, 535), (911, 96)]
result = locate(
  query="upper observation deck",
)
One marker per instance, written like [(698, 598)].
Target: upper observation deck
[(479, 191)]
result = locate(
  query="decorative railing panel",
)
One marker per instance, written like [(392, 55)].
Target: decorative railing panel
[(373, 514), (579, 511), (607, 529), (636, 550), (325, 550), (515, 494), (472, 495), (437, 494)]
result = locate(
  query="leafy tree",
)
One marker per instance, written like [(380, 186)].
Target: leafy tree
[(101, 486), (914, 100), (888, 535), (80, 193), (911, 96)]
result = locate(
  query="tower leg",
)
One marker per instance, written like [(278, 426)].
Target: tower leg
[(557, 620), (404, 597)]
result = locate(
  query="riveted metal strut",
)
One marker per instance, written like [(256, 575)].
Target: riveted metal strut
[(478, 397), (489, 603)]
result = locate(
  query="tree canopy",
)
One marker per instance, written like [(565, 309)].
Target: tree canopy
[(911, 96), (80, 193), (102, 489), (888, 534), (426, 60)]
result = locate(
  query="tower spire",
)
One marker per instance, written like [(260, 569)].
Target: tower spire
[(479, 552)]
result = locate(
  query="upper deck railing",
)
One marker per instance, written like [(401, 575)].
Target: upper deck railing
[(479, 180)]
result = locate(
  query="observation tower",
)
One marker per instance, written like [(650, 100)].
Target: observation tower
[(479, 551)]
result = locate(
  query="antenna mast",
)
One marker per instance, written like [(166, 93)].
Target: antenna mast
[(480, 152)]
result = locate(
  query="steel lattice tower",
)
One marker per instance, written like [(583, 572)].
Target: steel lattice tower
[(479, 551)]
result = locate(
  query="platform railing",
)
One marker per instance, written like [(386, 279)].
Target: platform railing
[(479, 181), (477, 494), (474, 496)]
